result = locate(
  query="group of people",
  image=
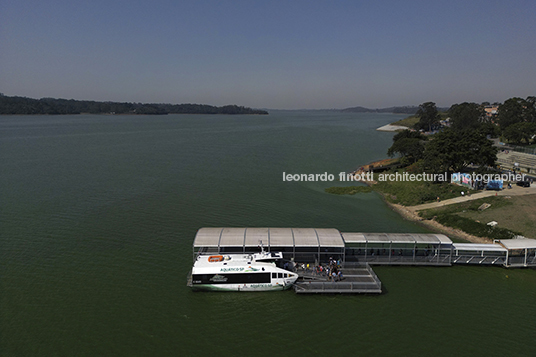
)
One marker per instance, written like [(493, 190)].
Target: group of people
[(332, 270)]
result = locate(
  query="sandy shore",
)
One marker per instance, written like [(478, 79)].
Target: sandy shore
[(411, 215), (390, 127)]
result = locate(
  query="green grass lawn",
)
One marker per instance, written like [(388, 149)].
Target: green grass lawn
[(515, 215), (411, 193), (350, 190), (412, 120), (409, 121), (518, 214)]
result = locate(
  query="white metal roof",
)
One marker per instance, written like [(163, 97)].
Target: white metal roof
[(476, 247), (518, 243), (305, 237), (232, 237), (275, 237), (329, 237), (206, 237), (281, 237), (354, 237), (256, 235), (396, 238)]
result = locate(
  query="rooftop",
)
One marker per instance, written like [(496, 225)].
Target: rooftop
[(519, 243), (270, 237), (396, 238)]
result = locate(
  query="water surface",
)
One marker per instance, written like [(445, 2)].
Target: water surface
[(98, 216)]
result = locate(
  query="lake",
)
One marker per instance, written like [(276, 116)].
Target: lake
[(98, 214)]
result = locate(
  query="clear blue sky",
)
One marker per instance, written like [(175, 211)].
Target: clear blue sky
[(269, 54)]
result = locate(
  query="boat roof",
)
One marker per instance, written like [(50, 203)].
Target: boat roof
[(229, 260), (270, 237)]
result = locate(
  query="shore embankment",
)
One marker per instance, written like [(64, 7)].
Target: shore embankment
[(411, 212)]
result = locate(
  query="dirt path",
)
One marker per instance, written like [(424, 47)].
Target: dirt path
[(514, 191)]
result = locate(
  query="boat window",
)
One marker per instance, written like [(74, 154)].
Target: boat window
[(280, 275), (239, 278), (274, 275), (285, 275)]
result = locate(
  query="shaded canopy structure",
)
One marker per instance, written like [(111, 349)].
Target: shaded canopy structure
[(318, 245), (478, 253), (300, 244), (521, 252), (398, 248)]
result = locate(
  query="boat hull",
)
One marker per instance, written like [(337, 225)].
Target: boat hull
[(240, 287)]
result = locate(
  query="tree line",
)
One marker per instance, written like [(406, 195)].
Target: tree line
[(53, 106)]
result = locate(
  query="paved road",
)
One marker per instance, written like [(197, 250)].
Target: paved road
[(514, 191)]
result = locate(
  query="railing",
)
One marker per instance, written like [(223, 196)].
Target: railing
[(478, 259), (523, 149), (340, 286), (522, 261), (189, 279), (359, 278), (442, 258)]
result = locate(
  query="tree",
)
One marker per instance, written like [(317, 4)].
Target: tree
[(22, 105), (520, 133), (466, 116), (510, 112), (428, 116), (409, 145), (452, 151), (529, 112)]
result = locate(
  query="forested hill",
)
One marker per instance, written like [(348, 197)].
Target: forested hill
[(23, 105), (396, 110)]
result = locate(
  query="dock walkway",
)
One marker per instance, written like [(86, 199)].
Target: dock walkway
[(357, 280)]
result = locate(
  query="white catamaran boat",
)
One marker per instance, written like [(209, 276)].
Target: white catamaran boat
[(241, 272)]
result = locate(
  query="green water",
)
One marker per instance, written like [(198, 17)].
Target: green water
[(98, 216)]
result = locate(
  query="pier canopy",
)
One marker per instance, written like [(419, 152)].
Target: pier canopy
[(398, 248), (521, 252), (360, 238), (478, 253), (303, 244)]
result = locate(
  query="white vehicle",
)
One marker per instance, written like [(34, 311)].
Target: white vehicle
[(241, 272)]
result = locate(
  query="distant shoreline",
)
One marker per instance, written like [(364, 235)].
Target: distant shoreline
[(124, 114), (53, 106)]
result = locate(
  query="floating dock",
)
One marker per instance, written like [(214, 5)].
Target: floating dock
[(357, 280), (319, 245)]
